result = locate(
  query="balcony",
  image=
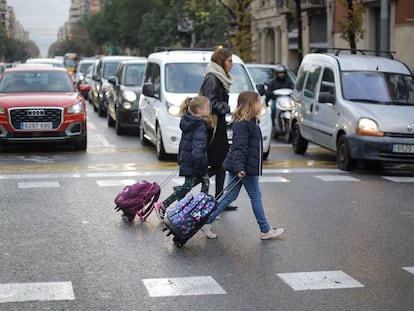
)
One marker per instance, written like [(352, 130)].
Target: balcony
[(286, 6)]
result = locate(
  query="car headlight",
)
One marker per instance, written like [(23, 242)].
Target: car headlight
[(81, 77), (2, 110), (127, 105), (368, 127), (129, 96), (76, 108), (172, 109)]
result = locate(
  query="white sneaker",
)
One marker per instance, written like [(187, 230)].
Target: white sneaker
[(273, 233), (208, 231)]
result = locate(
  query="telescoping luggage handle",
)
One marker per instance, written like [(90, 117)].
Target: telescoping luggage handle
[(230, 186), (169, 177)]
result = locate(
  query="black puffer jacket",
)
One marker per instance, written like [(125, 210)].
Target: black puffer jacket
[(213, 89), (246, 152), (192, 153)]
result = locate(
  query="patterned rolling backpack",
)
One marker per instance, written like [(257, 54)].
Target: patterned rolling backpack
[(188, 216)]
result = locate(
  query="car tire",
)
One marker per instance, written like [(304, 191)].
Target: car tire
[(110, 121), (81, 143), (159, 146), (142, 138), (299, 144), (343, 156), (118, 127)]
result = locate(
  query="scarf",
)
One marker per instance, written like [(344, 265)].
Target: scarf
[(219, 72)]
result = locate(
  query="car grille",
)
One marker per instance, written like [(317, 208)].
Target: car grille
[(36, 114), (400, 135)]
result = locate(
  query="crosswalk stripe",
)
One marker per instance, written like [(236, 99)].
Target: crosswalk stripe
[(23, 292), (336, 178), (112, 182), (319, 280), (399, 179), (409, 269), (184, 286), (38, 184)]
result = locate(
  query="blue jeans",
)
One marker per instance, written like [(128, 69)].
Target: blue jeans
[(251, 184)]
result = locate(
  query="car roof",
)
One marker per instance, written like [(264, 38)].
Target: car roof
[(44, 60), (35, 68), (186, 56), (116, 58), (141, 60), (358, 62)]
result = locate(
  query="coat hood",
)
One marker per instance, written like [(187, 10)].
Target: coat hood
[(190, 122)]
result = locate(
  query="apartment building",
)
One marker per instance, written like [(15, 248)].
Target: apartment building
[(275, 31)]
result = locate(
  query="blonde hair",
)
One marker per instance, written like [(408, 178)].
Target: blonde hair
[(193, 104), (245, 106)]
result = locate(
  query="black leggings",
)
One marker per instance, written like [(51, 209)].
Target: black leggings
[(189, 183), (220, 174)]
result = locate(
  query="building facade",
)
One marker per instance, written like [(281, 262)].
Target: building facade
[(275, 31)]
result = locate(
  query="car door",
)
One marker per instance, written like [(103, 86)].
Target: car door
[(325, 114), (148, 104), (304, 96)]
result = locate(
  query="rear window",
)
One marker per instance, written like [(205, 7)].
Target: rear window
[(31, 81)]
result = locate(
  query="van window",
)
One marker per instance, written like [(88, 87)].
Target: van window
[(300, 80), (328, 81), (311, 81)]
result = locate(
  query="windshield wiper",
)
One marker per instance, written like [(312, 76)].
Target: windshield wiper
[(366, 100)]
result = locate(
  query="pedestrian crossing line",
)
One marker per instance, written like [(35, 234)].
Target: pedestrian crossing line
[(399, 179), (336, 178), (38, 184), (409, 269), (183, 286), (318, 280), (24, 292), (112, 182)]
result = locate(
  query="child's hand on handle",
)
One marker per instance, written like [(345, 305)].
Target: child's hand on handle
[(241, 174)]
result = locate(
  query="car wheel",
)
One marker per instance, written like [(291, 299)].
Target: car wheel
[(343, 157), (118, 127), (159, 146), (142, 138), (299, 144), (81, 143), (110, 120)]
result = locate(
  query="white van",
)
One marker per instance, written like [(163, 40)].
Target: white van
[(170, 77)]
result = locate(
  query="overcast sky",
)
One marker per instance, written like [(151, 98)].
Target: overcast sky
[(42, 18)]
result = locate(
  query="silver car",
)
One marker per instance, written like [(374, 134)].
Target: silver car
[(361, 107)]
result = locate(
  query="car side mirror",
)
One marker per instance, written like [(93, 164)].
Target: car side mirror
[(326, 97), (113, 80), (261, 89), (96, 78), (148, 89)]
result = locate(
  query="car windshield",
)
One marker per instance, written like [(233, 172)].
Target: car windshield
[(83, 67), (35, 81), (188, 77), (134, 74), (109, 69), (262, 75), (378, 87)]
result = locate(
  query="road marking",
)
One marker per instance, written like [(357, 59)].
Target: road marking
[(186, 286), (264, 179), (23, 292), (399, 179), (38, 184), (319, 280), (409, 269), (336, 178), (111, 183)]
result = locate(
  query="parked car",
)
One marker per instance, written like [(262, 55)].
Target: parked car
[(123, 97), (41, 104), (105, 68), (93, 84), (360, 106), (80, 73), (170, 77)]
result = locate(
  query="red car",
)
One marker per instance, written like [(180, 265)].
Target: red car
[(41, 104)]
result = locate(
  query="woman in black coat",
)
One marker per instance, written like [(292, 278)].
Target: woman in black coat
[(216, 87)]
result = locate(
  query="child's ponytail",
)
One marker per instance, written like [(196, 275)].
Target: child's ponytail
[(184, 106)]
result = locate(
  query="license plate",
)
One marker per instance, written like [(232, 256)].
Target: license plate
[(403, 148), (36, 125)]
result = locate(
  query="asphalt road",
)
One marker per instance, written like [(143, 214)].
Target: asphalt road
[(348, 243)]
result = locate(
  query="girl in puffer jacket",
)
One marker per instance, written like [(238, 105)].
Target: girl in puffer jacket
[(192, 152), (244, 160)]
